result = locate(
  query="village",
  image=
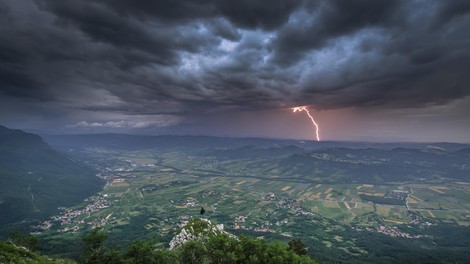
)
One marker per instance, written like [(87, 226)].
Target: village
[(393, 231), (69, 217)]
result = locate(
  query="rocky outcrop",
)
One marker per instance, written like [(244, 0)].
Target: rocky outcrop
[(197, 229)]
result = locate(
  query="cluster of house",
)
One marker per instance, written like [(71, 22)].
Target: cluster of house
[(348, 158), (190, 202), (397, 194), (393, 231), (294, 206), (72, 229), (68, 215), (99, 222), (240, 219)]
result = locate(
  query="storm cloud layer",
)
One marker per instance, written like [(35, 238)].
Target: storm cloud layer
[(137, 64)]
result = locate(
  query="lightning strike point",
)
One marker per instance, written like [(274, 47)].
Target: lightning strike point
[(304, 108)]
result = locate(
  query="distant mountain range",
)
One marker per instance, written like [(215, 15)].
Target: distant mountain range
[(35, 179), (307, 161), (347, 165), (129, 142), (344, 165)]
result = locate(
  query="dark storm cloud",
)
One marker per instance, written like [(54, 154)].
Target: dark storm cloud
[(104, 25), (18, 83), (224, 29), (451, 9), (397, 57), (3, 8), (329, 19), (265, 14), (190, 57)]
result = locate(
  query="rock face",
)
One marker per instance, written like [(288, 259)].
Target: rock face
[(197, 229)]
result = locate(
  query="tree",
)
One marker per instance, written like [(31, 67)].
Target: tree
[(144, 252), (21, 240), (193, 252), (140, 252), (93, 249), (250, 250), (111, 255), (221, 249), (166, 256), (296, 246)]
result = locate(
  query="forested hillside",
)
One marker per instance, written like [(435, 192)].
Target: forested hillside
[(35, 179)]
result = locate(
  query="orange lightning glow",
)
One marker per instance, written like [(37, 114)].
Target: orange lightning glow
[(304, 108)]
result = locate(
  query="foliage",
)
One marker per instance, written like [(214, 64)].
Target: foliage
[(199, 226), (21, 240), (297, 246), (193, 252), (10, 253), (144, 252), (93, 249), (212, 249)]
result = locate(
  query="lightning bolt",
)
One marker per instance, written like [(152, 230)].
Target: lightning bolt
[(304, 108)]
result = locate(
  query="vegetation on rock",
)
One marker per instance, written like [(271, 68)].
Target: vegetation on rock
[(210, 244)]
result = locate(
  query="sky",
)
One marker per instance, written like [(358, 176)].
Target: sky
[(367, 70)]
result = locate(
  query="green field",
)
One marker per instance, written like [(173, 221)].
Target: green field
[(151, 194)]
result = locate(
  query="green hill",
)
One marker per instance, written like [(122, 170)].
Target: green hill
[(18, 255), (35, 179), (343, 165)]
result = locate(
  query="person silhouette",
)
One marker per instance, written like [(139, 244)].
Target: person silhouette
[(202, 211)]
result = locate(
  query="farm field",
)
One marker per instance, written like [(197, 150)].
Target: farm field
[(151, 195)]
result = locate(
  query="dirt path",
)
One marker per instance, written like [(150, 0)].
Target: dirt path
[(120, 200), (32, 199)]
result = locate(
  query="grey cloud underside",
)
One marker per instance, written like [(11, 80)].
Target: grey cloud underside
[(151, 57)]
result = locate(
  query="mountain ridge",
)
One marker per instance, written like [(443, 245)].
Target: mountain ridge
[(128, 141), (35, 179)]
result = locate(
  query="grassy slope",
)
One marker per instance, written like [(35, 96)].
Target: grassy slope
[(12, 254)]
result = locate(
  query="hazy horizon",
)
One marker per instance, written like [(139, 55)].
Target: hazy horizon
[(45, 133)]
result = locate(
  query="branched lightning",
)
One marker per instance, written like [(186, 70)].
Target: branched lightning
[(304, 108)]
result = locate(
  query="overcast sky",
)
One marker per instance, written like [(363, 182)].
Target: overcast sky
[(367, 70)]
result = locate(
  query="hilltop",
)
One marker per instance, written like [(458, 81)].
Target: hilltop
[(199, 241)]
